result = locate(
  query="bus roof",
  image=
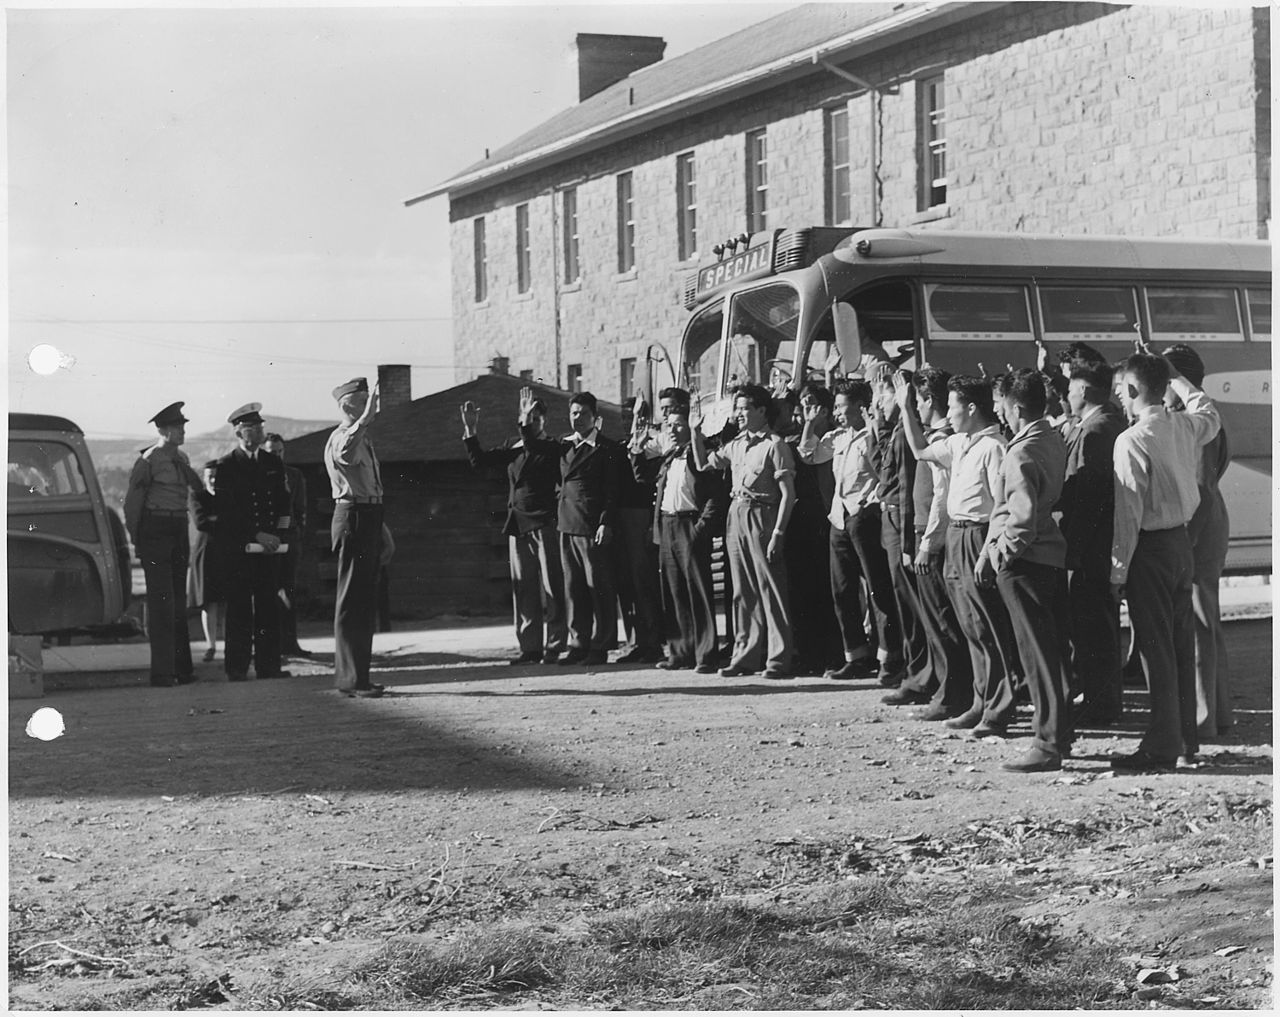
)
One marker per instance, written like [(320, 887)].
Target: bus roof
[(1052, 251)]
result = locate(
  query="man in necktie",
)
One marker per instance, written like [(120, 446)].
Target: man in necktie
[(356, 531), (252, 505)]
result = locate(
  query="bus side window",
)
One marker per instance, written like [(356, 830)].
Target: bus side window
[(977, 312), (1187, 314), (1088, 313), (1260, 314)]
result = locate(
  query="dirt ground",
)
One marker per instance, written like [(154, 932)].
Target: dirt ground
[(274, 833)]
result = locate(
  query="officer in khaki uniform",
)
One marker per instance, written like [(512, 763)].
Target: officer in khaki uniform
[(252, 505), (155, 511)]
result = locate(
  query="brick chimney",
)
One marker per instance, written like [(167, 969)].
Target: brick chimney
[(500, 365), (606, 59), (394, 388)]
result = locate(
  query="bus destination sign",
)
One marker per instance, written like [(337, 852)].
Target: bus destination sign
[(752, 261)]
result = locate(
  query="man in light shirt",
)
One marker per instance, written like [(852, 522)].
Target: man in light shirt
[(688, 512), (856, 551), (1024, 558), (973, 457), (1156, 461)]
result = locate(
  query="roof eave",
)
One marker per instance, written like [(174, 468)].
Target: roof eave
[(914, 21)]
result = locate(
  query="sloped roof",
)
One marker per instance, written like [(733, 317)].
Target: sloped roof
[(430, 429), (752, 58)]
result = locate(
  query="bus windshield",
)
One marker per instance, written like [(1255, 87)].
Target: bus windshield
[(702, 351), (763, 324)]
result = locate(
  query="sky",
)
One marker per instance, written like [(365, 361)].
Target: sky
[(207, 204)]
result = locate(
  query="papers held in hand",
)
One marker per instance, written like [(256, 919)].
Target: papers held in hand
[(253, 547)]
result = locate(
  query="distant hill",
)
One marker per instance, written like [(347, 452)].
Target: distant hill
[(113, 458)]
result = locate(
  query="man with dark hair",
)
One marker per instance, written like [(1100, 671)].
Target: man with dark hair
[(155, 511), (1024, 557), (635, 556), (948, 649), (1087, 505), (1209, 530), (1156, 462), (533, 546), (1077, 351), (295, 537), (763, 495), (355, 481), (688, 512), (252, 505), (973, 456), (855, 550), (590, 474)]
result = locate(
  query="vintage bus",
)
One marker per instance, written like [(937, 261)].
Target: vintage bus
[(771, 307)]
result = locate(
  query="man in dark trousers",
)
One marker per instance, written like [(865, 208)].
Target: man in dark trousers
[(1087, 505), (356, 531), (590, 476), (1152, 566), (155, 511), (252, 504), (537, 578), (295, 537), (688, 512), (1024, 557), (636, 558)]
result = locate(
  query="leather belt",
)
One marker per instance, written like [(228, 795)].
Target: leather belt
[(967, 524), (166, 513), (359, 500), (691, 514)]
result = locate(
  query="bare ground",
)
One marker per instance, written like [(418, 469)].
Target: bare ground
[(175, 843)]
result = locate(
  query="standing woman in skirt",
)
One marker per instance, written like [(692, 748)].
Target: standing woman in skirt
[(204, 581)]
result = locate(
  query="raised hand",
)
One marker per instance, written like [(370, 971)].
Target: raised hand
[(527, 400), (833, 359), (1042, 356), (901, 390), (695, 414), (470, 416)]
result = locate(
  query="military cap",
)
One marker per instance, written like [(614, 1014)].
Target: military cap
[(171, 414), (246, 414), (351, 387)]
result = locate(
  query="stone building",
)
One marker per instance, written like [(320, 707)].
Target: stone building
[(570, 245)]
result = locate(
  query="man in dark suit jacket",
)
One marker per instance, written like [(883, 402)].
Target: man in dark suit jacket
[(537, 579), (294, 537), (1087, 505), (689, 510), (590, 476), (252, 502)]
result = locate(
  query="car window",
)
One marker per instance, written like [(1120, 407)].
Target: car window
[(43, 469)]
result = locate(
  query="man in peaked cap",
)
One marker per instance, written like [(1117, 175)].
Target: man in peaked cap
[(155, 511), (356, 485), (252, 503)]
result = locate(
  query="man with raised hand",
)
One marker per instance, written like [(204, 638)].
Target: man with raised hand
[(1156, 461), (762, 497), (532, 463)]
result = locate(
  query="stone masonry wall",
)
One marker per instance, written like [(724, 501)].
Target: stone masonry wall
[(1075, 118)]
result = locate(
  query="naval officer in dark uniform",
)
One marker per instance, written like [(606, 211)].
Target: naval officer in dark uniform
[(155, 511), (356, 530), (252, 504)]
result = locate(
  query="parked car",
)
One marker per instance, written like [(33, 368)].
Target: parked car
[(68, 552)]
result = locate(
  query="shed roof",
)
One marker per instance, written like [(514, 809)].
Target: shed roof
[(756, 57), (429, 429)]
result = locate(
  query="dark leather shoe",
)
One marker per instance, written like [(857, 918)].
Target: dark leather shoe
[(573, 658), (163, 681), (853, 670), (237, 676), (1035, 761), (891, 677), (906, 697), (532, 657), (706, 669), (277, 674), (641, 655), (777, 674), (736, 672), (551, 657), (966, 720), (1142, 762), (935, 713), (674, 665), (987, 730), (596, 658), (372, 692), (186, 679), (209, 654)]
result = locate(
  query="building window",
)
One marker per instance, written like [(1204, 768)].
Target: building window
[(757, 180), (522, 249), (932, 154), (573, 377), (482, 262), (686, 207), (572, 269), (626, 225), (626, 378), (839, 205)]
